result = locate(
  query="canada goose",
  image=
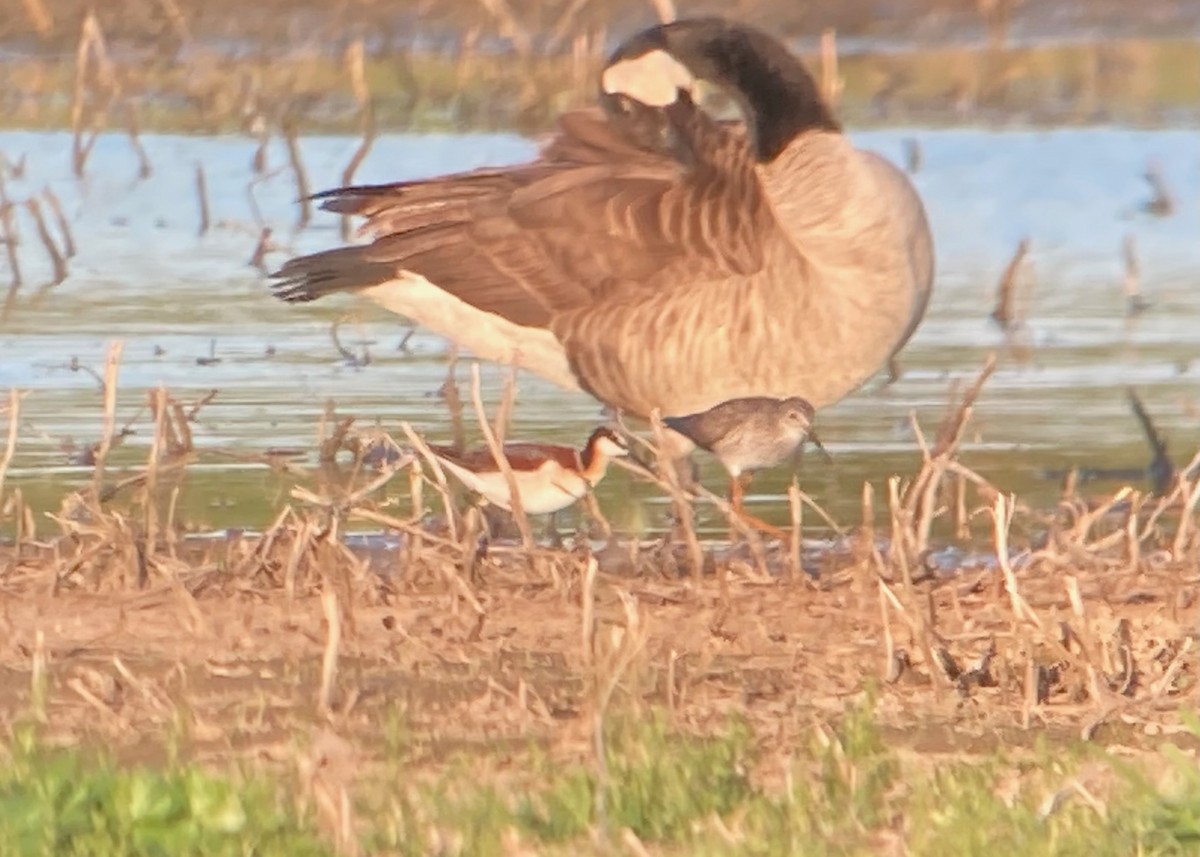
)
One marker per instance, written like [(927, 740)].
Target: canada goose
[(747, 435), (549, 477), (651, 255)]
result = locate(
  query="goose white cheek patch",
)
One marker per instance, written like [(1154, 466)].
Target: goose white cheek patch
[(653, 78)]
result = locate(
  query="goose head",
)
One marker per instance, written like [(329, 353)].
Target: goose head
[(660, 67)]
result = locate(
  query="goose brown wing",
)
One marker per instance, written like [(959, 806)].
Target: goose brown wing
[(595, 217)]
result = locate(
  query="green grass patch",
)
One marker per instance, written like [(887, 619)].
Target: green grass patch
[(846, 792), (79, 803)]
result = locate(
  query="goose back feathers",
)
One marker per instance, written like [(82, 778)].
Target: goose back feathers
[(652, 255)]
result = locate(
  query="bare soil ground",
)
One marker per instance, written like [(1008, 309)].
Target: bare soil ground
[(237, 667), (116, 629)]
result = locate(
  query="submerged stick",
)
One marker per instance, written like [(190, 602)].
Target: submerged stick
[(60, 218), (202, 197), (1135, 304), (1003, 314), (508, 398), (1160, 469), (259, 258), (449, 393), (1162, 203), (259, 164), (297, 162), (56, 257), (10, 246), (135, 139), (913, 155)]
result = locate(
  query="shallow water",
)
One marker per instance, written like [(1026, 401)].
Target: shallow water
[(143, 275)]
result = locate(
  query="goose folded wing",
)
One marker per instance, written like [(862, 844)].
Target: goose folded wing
[(595, 217)]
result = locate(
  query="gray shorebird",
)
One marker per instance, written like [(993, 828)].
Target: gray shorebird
[(652, 255), (747, 435)]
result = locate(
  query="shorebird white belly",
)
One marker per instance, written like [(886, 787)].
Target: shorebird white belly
[(544, 491)]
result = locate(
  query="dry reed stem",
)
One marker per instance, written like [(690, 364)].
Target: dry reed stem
[(624, 646), (1178, 493), (40, 17), (901, 525), (900, 548), (112, 718), (445, 570), (682, 504), (60, 218), (333, 642), (176, 17), (158, 399), (10, 445), (795, 555), (891, 665), (358, 84), (518, 509), (508, 399), (56, 257), (588, 599), (112, 366), (1086, 639), (1002, 514), (1180, 543), (1004, 314), (202, 199), (867, 547), (920, 498), (441, 483), (1131, 283), (91, 47), (38, 680), (301, 543)]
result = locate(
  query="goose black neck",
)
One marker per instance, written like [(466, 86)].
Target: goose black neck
[(776, 93)]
